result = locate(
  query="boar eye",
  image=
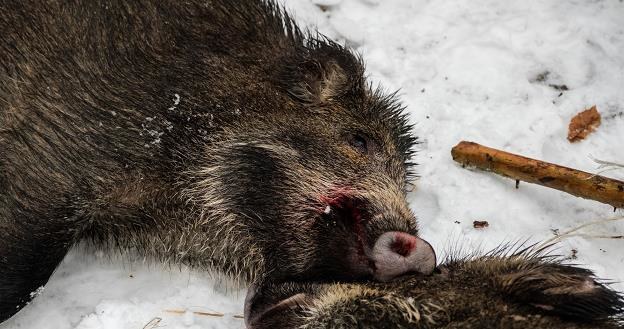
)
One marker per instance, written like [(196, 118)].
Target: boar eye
[(359, 143)]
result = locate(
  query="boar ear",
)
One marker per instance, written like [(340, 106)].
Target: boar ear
[(319, 83), (322, 72), (565, 290)]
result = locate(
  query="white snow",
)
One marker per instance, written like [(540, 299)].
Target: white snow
[(467, 71), (176, 102)]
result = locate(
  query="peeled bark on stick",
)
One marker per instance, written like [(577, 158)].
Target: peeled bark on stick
[(575, 182)]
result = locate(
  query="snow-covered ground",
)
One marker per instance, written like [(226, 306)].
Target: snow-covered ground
[(467, 70)]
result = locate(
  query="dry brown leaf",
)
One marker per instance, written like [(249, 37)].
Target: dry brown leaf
[(480, 224), (583, 124)]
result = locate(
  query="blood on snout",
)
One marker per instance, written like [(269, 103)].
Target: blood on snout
[(342, 202), (337, 197)]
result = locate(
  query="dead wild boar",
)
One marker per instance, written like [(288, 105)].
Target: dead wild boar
[(495, 291), (211, 133)]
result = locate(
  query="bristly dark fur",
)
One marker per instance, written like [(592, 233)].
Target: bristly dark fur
[(502, 289), (195, 132)]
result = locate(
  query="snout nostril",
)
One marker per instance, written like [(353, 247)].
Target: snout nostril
[(403, 244)]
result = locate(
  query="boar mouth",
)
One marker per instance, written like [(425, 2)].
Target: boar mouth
[(353, 213), (264, 300)]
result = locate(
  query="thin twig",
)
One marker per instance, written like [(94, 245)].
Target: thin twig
[(568, 233), (202, 313), (153, 323), (597, 236), (606, 166)]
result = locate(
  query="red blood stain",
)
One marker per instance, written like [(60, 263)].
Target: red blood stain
[(337, 198), (351, 209)]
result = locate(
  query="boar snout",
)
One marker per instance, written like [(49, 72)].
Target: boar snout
[(397, 253), (383, 244)]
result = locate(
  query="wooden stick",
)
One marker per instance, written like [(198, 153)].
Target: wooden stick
[(572, 181)]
